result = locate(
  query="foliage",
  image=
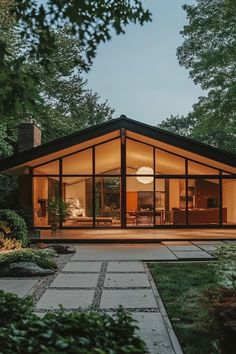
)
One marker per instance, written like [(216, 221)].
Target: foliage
[(225, 265), (42, 258), (5, 147), (92, 21), (178, 125), (221, 307), (180, 286), (16, 224), (29, 46), (13, 309), (84, 333), (8, 191), (58, 210), (25, 211), (7, 244), (209, 53)]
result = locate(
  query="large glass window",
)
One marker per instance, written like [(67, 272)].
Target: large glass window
[(203, 201), (229, 201), (198, 169), (46, 189), (107, 158), (139, 202), (138, 156), (170, 201), (51, 168), (169, 164), (78, 164), (77, 192), (107, 201)]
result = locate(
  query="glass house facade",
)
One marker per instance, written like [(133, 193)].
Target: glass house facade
[(123, 178)]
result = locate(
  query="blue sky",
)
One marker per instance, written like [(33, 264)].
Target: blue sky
[(138, 73)]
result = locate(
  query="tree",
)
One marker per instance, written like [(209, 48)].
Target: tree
[(179, 125), (90, 21), (209, 52)]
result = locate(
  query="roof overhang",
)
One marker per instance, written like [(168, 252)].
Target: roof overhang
[(20, 159)]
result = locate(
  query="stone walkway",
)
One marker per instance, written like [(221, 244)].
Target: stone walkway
[(101, 277), (103, 286)]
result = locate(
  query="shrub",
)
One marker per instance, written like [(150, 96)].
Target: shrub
[(13, 308), (8, 244), (26, 212), (16, 224), (225, 265), (221, 306), (40, 257), (63, 332)]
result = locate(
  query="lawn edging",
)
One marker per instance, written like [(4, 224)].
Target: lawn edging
[(170, 330)]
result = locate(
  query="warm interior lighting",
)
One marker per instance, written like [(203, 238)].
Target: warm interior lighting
[(145, 171)]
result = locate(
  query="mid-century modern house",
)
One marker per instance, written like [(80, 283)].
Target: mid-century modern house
[(125, 174)]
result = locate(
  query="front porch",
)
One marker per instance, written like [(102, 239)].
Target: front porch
[(138, 235)]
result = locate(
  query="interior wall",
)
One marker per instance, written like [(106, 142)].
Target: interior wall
[(77, 193), (40, 193), (174, 193), (229, 200), (132, 185)]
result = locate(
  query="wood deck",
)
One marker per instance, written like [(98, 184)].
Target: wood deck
[(110, 235)]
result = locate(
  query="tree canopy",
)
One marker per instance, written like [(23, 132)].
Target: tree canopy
[(209, 53), (36, 25)]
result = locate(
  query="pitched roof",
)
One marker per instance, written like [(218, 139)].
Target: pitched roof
[(110, 126)]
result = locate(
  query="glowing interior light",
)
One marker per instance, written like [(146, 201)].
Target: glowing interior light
[(145, 171)]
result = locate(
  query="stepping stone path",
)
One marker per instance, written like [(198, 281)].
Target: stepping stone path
[(102, 277), (103, 286)]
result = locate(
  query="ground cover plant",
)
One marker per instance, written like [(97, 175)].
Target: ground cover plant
[(200, 299), (180, 285), (21, 331), (42, 258)]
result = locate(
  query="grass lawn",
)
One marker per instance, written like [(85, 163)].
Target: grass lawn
[(179, 285)]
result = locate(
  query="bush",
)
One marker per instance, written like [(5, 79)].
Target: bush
[(16, 224), (63, 332), (40, 257), (225, 265), (13, 309), (221, 306), (8, 244)]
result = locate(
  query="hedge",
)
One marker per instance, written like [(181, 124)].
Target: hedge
[(62, 332)]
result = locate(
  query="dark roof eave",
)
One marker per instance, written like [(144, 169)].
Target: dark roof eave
[(116, 124)]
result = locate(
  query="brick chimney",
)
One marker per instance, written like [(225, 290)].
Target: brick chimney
[(29, 136)]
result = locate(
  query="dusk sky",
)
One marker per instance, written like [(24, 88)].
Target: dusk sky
[(139, 74)]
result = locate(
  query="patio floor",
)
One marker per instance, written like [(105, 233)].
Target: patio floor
[(140, 235)]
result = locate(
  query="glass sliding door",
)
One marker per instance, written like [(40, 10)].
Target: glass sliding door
[(139, 201), (77, 193), (228, 201), (170, 201), (45, 190), (203, 201), (107, 202)]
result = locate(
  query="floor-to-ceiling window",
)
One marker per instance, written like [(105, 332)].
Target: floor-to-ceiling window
[(149, 187)]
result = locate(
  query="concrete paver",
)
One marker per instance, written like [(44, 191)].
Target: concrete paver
[(82, 267), (183, 248), (191, 255), (125, 267), (75, 280), (126, 280), (69, 299), (20, 287), (153, 331), (124, 252), (132, 299)]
